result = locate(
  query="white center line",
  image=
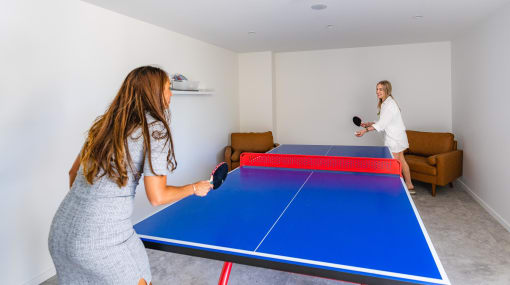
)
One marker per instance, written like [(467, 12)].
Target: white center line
[(328, 150), (295, 195)]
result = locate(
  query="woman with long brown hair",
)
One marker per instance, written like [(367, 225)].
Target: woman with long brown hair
[(390, 121), (91, 237)]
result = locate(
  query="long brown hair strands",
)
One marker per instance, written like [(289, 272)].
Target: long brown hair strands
[(106, 148)]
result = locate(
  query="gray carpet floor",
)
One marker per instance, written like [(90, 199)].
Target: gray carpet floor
[(472, 246)]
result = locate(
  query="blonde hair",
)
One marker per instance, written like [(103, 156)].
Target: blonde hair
[(386, 85)]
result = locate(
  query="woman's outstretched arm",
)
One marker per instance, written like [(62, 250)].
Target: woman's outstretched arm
[(159, 193), (74, 170)]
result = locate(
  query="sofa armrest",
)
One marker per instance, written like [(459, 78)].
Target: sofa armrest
[(432, 160), (228, 155), (449, 166)]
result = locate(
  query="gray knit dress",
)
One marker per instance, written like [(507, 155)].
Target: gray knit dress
[(91, 239)]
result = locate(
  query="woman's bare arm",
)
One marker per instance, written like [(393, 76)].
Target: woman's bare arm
[(364, 131), (159, 193), (74, 170), (367, 124)]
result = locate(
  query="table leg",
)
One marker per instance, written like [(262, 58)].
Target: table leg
[(225, 273)]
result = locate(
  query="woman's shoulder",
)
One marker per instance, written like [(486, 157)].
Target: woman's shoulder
[(390, 103), (155, 125)]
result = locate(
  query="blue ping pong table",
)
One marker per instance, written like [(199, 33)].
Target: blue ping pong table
[(348, 226)]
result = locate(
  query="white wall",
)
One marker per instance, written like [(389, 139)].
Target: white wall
[(256, 91), (62, 62), (318, 92), (481, 102)]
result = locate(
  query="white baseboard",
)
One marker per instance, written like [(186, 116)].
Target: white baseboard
[(486, 206), (42, 277)]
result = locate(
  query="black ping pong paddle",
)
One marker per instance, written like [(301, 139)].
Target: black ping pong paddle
[(218, 175), (357, 120)]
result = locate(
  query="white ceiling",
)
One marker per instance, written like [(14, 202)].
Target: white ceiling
[(291, 25)]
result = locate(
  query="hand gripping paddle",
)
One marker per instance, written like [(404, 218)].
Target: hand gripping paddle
[(218, 175)]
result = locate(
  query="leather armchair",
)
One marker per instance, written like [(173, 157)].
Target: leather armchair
[(247, 142), (433, 158)]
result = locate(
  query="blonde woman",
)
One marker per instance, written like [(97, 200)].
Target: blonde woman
[(390, 121), (92, 240)]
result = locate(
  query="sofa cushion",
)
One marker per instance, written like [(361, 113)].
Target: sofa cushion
[(429, 143), (419, 164), (250, 142), (236, 156)]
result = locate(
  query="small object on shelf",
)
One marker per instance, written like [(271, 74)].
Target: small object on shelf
[(178, 77), (193, 92), (185, 85), (181, 82)]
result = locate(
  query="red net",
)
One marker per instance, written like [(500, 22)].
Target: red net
[(316, 162)]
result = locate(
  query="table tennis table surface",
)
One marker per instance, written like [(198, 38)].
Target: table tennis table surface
[(341, 225)]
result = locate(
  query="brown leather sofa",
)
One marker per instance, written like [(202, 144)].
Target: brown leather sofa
[(247, 142), (433, 158)]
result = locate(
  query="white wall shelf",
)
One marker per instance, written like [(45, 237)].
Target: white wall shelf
[(190, 92)]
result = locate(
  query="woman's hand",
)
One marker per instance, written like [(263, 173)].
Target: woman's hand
[(366, 125), (360, 133), (201, 188)]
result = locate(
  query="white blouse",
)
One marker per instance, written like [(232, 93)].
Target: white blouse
[(390, 121)]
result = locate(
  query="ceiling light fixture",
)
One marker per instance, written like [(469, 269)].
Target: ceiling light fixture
[(319, 7), (417, 17), (252, 33), (330, 27)]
